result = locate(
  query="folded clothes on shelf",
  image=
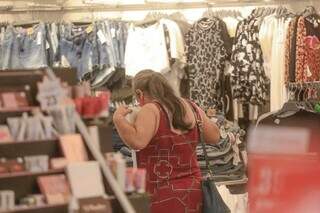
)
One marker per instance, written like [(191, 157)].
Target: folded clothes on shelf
[(225, 157)]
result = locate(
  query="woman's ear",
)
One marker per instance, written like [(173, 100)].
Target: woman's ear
[(139, 96)]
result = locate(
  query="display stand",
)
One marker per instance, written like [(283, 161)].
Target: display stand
[(25, 183)]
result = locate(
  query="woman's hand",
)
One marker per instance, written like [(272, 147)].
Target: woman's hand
[(121, 112)]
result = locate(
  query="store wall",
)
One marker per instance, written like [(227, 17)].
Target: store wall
[(190, 14)]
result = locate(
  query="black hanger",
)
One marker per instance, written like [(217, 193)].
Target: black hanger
[(292, 106), (309, 10)]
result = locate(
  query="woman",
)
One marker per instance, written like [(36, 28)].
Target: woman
[(166, 134)]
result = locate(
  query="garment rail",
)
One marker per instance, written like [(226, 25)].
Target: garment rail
[(146, 6), (294, 85)]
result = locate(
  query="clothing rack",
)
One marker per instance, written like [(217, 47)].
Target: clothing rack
[(147, 6), (295, 85)]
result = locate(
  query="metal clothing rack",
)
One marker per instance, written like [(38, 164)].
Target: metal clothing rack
[(295, 85), (147, 6)]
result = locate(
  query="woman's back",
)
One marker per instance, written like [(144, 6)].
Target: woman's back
[(166, 134), (172, 168)]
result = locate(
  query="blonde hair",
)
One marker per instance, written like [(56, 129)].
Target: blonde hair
[(158, 88)]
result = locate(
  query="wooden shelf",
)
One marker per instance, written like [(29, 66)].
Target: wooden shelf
[(18, 110), (21, 149), (26, 173), (59, 208), (24, 183)]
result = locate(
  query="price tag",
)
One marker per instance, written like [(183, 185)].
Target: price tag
[(51, 93), (39, 38), (30, 31), (113, 33), (102, 37), (89, 29), (47, 45)]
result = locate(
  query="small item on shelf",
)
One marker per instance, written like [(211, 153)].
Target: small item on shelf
[(55, 188), (130, 182), (95, 205), (5, 135), (73, 148), (90, 106), (14, 100), (3, 166), (82, 90), (33, 200), (58, 163), (16, 165), (32, 128), (85, 179), (117, 164), (7, 200), (14, 125), (64, 118), (140, 180), (37, 163)]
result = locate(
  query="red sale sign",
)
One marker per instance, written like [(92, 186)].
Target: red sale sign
[(284, 173)]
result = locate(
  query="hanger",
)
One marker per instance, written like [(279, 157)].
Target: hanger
[(291, 106), (308, 11), (178, 16), (151, 18), (207, 13), (26, 24)]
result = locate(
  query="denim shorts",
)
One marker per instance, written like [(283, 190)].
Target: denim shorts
[(7, 38), (29, 48), (78, 49)]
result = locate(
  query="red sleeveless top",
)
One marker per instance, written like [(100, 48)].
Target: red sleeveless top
[(173, 173)]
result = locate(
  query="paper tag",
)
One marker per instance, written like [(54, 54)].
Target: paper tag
[(89, 29), (50, 93), (64, 61), (47, 45), (30, 31), (102, 37), (309, 73), (113, 33), (39, 38)]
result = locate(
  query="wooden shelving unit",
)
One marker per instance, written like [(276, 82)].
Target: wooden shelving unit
[(25, 183)]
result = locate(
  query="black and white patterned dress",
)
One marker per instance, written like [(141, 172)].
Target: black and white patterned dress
[(207, 51), (249, 81)]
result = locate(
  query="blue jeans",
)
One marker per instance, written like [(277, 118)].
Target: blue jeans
[(78, 48), (29, 50), (7, 38)]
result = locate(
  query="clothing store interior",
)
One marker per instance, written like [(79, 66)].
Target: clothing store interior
[(153, 106)]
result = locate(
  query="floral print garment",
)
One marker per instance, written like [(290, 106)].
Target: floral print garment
[(207, 52), (249, 80)]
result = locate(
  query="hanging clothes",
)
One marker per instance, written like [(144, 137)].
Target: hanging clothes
[(208, 49), (307, 55), (249, 80), (146, 49), (176, 50), (272, 37), (290, 54)]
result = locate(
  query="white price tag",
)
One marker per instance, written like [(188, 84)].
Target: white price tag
[(39, 38), (113, 33), (102, 37), (50, 93), (47, 45)]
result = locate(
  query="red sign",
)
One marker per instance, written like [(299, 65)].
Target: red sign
[(283, 181)]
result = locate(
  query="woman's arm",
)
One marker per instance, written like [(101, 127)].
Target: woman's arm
[(210, 129), (138, 135)]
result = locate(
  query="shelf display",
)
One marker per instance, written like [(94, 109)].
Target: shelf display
[(34, 168)]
